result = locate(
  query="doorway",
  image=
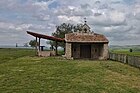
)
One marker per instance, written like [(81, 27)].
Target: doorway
[(85, 51)]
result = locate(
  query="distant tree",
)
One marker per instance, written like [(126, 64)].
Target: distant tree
[(63, 29), (32, 43), (78, 27), (16, 44), (52, 44), (26, 45), (130, 50)]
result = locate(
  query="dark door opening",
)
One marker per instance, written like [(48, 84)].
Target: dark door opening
[(85, 51)]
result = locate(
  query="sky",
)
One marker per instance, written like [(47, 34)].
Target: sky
[(118, 20)]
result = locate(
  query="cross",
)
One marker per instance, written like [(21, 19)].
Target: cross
[(85, 20)]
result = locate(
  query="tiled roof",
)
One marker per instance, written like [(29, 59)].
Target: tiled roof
[(92, 38)]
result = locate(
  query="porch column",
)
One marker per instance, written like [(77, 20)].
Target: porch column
[(68, 52), (36, 47), (56, 45), (105, 51), (39, 44)]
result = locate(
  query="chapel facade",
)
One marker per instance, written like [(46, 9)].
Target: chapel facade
[(86, 44)]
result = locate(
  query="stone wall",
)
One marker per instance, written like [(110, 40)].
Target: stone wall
[(46, 53), (95, 51), (75, 50), (105, 51), (98, 51), (68, 51), (92, 51), (131, 60)]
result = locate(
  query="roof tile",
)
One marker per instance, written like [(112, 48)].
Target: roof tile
[(75, 37)]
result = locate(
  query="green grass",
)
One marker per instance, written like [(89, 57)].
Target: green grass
[(22, 72), (10, 54), (126, 51)]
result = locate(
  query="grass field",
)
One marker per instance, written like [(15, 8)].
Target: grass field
[(22, 72), (126, 51)]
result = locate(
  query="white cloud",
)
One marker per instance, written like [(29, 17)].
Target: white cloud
[(119, 20), (117, 17), (42, 5), (112, 18), (69, 19)]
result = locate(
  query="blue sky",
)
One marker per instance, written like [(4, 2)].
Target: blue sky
[(118, 20)]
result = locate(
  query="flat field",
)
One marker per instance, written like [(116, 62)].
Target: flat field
[(126, 51), (22, 72)]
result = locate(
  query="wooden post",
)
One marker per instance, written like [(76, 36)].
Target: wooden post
[(56, 47), (36, 46), (39, 44)]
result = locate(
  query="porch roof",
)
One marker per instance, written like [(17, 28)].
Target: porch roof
[(46, 36)]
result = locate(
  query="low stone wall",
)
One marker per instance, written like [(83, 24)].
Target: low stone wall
[(131, 60), (46, 53)]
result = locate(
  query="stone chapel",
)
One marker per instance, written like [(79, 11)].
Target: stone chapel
[(86, 44)]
